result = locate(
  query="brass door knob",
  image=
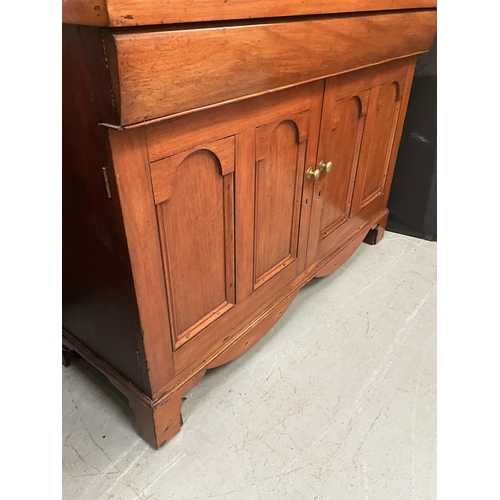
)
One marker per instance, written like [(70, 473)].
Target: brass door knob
[(313, 173), (324, 165)]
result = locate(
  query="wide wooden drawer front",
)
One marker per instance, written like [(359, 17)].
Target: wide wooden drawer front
[(164, 73)]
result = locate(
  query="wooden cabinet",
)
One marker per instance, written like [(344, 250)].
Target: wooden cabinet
[(197, 206)]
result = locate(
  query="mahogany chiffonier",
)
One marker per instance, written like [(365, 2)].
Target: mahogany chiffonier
[(218, 155)]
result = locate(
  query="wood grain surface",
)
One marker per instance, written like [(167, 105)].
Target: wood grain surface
[(360, 113), (206, 205), (166, 72), (197, 236), (98, 300), (143, 12), (131, 169)]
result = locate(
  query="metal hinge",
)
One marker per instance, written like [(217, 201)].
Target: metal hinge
[(105, 172)]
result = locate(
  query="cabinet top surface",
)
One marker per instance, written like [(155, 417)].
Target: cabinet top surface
[(121, 13)]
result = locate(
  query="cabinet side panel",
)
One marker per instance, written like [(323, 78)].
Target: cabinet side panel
[(98, 297)]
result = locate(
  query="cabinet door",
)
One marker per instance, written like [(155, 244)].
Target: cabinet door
[(378, 140), (227, 189), (194, 193), (280, 154), (344, 112), (358, 129), (272, 210)]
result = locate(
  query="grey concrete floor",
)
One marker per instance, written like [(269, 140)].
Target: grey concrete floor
[(338, 401)]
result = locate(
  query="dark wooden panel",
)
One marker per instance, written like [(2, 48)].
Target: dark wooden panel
[(98, 306), (166, 72), (340, 143), (378, 141), (387, 115), (197, 236), (278, 187), (143, 12)]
